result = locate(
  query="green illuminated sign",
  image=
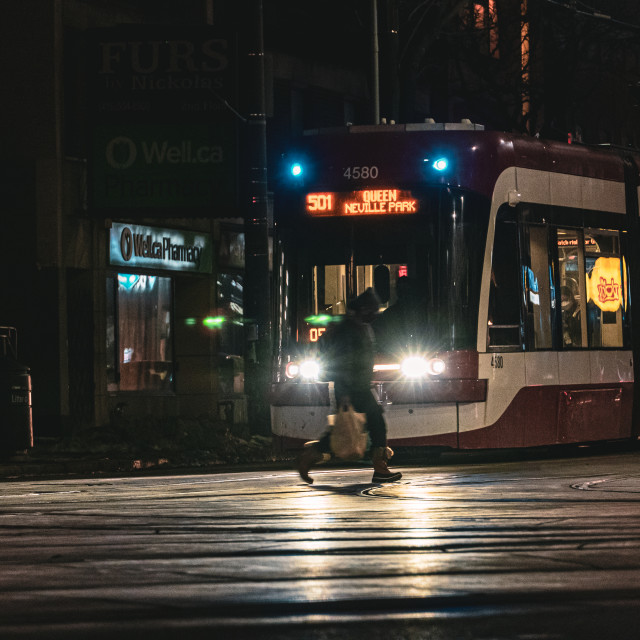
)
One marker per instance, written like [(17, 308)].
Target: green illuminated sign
[(164, 167)]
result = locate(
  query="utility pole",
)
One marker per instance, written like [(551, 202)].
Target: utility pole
[(257, 283), (375, 69), (388, 40)]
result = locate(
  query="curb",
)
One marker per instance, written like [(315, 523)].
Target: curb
[(25, 467)]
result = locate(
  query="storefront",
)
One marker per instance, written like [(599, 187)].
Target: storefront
[(173, 319)]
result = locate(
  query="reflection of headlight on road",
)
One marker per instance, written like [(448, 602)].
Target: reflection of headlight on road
[(417, 367), (310, 370)]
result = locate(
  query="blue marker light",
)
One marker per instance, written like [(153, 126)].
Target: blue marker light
[(296, 170), (440, 164)]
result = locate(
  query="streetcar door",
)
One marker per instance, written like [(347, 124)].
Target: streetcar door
[(504, 322)]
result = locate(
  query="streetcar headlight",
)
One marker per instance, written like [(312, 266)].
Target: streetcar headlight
[(292, 370), (414, 367), (307, 369), (418, 367), (310, 370), (436, 366)]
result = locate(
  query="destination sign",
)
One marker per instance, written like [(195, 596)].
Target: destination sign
[(366, 202)]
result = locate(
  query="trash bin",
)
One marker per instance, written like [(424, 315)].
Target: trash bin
[(16, 424)]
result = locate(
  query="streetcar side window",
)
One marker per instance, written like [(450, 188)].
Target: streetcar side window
[(537, 287), (606, 288), (592, 295), (572, 299)]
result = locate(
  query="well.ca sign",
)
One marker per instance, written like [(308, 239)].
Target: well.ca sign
[(163, 137), (157, 166)]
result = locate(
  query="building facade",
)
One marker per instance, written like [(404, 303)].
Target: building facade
[(123, 234)]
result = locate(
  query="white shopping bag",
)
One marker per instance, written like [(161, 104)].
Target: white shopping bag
[(348, 437)]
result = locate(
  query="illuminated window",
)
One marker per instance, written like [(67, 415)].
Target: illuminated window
[(593, 288), (139, 336), (606, 288), (538, 284), (330, 289), (483, 18), (571, 296), (330, 285), (231, 304), (525, 61)]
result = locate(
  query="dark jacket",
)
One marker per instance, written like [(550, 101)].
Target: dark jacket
[(347, 352)]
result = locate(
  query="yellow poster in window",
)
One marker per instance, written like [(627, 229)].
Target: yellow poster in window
[(605, 284)]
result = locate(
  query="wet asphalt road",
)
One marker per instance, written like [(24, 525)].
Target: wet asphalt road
[(481, 549)]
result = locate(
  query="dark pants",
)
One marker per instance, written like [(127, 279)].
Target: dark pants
[(363, 401)]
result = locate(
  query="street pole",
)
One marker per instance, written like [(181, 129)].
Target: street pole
[(375, 70), (388, 41), (257, 297)]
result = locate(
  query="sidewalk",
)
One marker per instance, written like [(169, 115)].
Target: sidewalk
[(30, 466), (103, 452)]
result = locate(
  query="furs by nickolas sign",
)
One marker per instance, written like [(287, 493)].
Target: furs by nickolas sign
[(136, 246)]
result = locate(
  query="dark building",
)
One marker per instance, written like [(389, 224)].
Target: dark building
[(123, 241)]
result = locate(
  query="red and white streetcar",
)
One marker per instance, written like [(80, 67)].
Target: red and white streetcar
[(505, 265)]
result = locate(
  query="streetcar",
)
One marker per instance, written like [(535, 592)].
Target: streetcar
[(510, 258)]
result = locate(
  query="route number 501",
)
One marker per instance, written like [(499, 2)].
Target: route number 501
[(361, 173), (319, 202)]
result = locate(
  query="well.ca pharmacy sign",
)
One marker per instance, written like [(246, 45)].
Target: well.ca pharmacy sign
[(137, 246)]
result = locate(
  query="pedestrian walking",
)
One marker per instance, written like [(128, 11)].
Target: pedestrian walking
[(347, 349)]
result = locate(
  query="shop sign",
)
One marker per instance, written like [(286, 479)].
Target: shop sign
[(164, 167), (155, 71), (137, 246), (163, 134)]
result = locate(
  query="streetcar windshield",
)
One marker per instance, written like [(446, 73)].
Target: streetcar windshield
[(425, 269)]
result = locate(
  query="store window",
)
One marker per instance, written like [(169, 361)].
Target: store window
[(231, 332), (139, 333)]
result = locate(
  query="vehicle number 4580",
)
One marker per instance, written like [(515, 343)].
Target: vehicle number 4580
[(361, 173), (496, 362)]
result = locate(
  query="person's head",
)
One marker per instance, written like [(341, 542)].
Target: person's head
[(567, 299), (366, 306)]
